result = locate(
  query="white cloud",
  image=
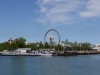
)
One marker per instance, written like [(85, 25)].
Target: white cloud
[(58, 12), (92, 9)]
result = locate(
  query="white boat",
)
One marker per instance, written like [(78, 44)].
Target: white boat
[(45, 54), (34, 53)]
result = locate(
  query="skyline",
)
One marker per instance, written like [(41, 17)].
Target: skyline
[(76, 20)]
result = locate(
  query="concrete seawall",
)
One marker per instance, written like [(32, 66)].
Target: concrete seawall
[(70, 53)]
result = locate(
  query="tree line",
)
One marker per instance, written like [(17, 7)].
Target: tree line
[(64, 45)]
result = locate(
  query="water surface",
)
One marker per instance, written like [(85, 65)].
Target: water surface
[(29, 65)]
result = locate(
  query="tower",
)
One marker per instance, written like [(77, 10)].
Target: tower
[(10, 41)]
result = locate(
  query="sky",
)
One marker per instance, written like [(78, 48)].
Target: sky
[(75, 20)]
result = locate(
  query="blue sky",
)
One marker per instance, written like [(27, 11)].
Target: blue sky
[(76, 20)]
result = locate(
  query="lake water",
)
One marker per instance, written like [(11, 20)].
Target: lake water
[(29, 65)]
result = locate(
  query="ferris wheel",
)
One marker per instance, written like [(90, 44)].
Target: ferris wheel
[(52, 36)]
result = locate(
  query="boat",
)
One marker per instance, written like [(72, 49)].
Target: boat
[(18, 53), (45, 54)]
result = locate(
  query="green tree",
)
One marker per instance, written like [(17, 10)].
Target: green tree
[(13, 46), (4, 46), (86, 46), (20, 42), (47, 45), (41, 46), (33, 46), (58, 47)]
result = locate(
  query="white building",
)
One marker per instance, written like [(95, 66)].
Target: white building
[(97, 47)]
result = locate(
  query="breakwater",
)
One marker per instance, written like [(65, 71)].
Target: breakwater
[(70, 53)]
